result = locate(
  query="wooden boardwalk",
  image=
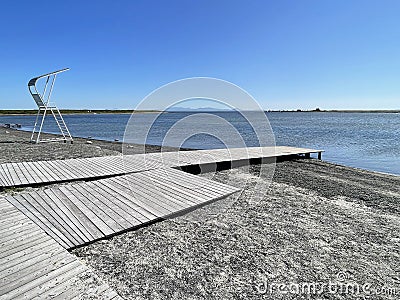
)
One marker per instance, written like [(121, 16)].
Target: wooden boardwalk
[(125, 192), (40, 172), (81, 213), (35, 266)]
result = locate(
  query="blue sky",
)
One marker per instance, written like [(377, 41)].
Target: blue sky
[(288, 54)]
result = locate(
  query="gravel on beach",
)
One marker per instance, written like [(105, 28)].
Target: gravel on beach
[(15, 146), (315, 223)]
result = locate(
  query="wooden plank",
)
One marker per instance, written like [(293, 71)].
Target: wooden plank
[(196, 182), (32, 264), (78, 169), (191, 183), (66, 169), (59, 170), (7, 213), (40, 177), (124, 210), (159, 194), (6, 209), (142, 215), (29, 288), (102, 211), (40, 210), (177, 191), (10, 178), (185, 199), (108, 165), (21, 173), (73, 288), (45, 249), (25, 271), (144, 160), (11, 218), (57, 217), (3, 201), (11, 223), (68, 289), (12, 174), (63, 212), (90, 169), (10, 232), (33, 178), (144, 200), (110, 207), (27, 243), (110, 294), (55, 279), (3, 183), (48, 171), (85, 225), (20, 202), (4, 177), (138, 163), (10, 214), (111, 165), (9, 242), (80, 201)]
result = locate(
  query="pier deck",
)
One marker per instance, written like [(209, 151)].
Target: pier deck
[(42, 172), (122, 193), (80, 213)]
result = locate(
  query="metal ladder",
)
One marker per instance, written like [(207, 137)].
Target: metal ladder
[(44, 105)]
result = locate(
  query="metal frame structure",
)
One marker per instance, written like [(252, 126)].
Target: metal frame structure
[(44, 105)]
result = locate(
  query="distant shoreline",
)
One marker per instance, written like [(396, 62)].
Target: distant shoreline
[(17, 112), (395, 111)]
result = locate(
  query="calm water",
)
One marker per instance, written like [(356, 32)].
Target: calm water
[(364, 140)]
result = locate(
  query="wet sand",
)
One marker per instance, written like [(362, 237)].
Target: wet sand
[(315, 222)]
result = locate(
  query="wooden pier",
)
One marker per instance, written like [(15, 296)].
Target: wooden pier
[(81, 213), (114, 194), (41, 172)]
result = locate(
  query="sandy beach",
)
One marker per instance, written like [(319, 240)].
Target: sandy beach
[(316, 222)]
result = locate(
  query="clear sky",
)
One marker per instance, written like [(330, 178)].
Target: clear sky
[(332, 54)]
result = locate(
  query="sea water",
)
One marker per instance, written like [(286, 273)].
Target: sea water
[(364, 140)]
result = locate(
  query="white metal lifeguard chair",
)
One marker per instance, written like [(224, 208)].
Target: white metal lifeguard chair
[(44, 105)]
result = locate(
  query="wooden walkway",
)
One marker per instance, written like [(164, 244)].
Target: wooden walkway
[(125, 192), (40, 172), (34, 266), (81, 213)]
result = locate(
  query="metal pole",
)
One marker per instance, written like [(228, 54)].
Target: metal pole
[(34, 127), (51, 89), (41, 124), (45, 88)]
